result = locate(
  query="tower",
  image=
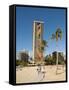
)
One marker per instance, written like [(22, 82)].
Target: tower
[(37, 41)]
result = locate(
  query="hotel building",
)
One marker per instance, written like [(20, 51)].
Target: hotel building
[(37, 40)]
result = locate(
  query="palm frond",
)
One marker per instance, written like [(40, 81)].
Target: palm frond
[(58, 33)]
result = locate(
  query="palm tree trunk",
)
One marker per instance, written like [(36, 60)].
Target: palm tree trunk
[(56, 57)]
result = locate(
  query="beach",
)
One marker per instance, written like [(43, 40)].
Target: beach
[(30, 74)]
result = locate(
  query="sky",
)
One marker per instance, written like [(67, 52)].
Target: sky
[(52, 18)]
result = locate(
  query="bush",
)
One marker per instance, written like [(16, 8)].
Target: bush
[(19, 62)]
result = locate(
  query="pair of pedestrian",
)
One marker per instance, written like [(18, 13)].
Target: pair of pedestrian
[(41, 72)]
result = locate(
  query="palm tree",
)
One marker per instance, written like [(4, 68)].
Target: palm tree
[(43, 45), (57, 35)]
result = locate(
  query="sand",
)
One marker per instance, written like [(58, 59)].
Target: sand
[(30, 74)]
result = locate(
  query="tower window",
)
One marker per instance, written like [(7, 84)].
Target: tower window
[(39, 36)]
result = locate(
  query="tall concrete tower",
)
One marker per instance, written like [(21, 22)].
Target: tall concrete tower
[(37, 40)]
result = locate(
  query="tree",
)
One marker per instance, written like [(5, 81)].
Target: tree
[(24, 58), (57, 36), (43, 45), (48, 60)]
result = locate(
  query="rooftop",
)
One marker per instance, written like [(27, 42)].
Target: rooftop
[(39, 21)]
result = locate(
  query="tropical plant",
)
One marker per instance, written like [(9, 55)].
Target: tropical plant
[(43, 45), (56, 36)]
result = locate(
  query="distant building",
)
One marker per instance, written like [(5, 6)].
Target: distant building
[(54, 55), (37, 39), (60, 56)]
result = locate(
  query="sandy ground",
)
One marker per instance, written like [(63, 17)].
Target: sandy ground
[(30, 74)]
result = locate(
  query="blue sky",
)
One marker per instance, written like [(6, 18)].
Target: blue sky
[(52, 19)]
